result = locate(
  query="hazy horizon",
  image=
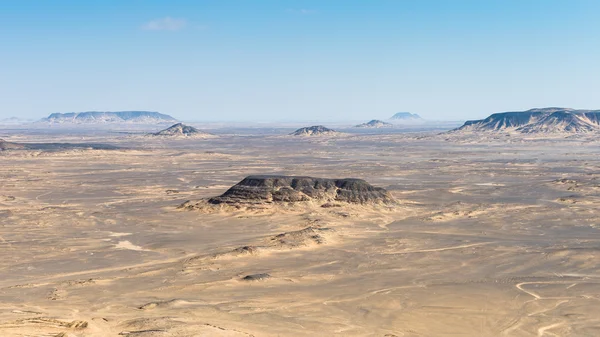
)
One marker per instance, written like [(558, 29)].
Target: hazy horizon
[(298, 60)]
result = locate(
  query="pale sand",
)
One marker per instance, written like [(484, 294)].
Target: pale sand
[(494, 238)]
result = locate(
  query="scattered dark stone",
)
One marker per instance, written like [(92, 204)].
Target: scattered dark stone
[(330, 205), (301, 237), (256, 277), (573, 199), (141, 332), (245, 250), (5, 213), (171, 191)]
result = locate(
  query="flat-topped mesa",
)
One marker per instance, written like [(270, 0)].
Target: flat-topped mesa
[(375, 123), (544, 120), (109, 117), (273, 189), (316, 130)]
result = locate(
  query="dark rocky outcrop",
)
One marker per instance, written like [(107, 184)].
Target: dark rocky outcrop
[(544, 120), (317, 130), (375, 123), (181, 130), (273, 189), (4, 145), (256, 277)]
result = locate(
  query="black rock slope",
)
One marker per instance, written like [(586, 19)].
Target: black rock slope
[(545, 120), (4, 145), (375, 123), (268, 189), (180, 129), (313, 131)]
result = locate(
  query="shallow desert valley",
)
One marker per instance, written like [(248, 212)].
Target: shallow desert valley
[(491, 236)]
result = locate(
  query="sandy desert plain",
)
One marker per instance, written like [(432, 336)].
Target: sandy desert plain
[(491, 236)]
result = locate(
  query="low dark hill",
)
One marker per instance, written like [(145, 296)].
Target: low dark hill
[(317, 130), (375, 123), (4, 145), (270, 189), (181, 130)]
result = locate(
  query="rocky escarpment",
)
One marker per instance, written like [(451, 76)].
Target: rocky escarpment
[(182, 130), (317, 130), (109, 117), (375, 123), (545, 120), (285, 189)]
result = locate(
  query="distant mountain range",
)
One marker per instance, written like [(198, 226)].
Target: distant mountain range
[(109, 117), (375, 123), (544, 120)]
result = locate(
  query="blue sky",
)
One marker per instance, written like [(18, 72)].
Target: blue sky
[(298, 60)]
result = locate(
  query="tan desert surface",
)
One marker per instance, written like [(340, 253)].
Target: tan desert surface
[(495, 236)]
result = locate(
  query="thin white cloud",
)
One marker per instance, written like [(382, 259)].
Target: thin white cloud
[(167, 23)]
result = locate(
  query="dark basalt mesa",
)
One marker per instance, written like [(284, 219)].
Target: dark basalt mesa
[(273, 189), (544, 120), (375, 123), (316, 130)]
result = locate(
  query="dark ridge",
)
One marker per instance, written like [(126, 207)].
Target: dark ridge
[(544, 120), (375, 123), (269, 189), (313, 131), (4, 145)]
